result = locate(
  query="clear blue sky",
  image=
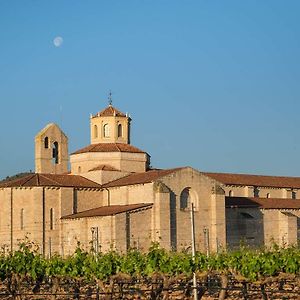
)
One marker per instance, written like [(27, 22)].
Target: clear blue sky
[(210, 84)]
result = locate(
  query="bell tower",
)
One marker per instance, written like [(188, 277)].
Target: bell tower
[(51, 151), (110, 126)]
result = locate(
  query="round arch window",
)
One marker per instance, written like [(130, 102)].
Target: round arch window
[(120, 130), (106, 130), (187, 197), (95, 131)]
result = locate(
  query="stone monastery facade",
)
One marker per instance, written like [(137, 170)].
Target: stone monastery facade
[(111, 198)]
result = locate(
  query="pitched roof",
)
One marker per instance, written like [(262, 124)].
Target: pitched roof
[(108, 210), (54, 180), (140, 178), (110, 111), (47, 127), (109, 147), (256, 180), (103, 168), (265, 203)]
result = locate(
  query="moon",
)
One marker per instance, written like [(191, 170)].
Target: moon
[(58, 41)]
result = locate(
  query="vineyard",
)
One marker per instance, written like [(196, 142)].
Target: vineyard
[(156, 274)]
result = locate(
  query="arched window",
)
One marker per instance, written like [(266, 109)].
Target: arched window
[(51, 222), (106, 130), (230, 193), (185, 200), (120, 130), (55, 159), (95, 131), (268, 195), (46, 142), (22, 219)]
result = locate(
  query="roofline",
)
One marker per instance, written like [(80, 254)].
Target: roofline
[(106, 185), (120, 151), (263, 203), (42, 131), (144, 206), (212, 174), (57, 184)]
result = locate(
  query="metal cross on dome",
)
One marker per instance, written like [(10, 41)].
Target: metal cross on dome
[(110, 98)]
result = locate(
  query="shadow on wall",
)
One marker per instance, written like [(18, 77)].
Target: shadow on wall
[(244, 226), (173, 222)]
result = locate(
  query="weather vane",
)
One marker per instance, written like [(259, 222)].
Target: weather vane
[(110, 98)]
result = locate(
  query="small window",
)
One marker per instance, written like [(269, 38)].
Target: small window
[(120, 130), (95, 131), (22, 219), (246, 215), (106, 130), (294, 195), (75, 202), (46, 142), (230, 193), (51, 219), (55, 153), (268, 195)]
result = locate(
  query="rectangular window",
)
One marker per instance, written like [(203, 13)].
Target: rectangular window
[(22, 219), (75, 201), (51, 219)]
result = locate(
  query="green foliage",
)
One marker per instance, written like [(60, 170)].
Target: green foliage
[(251, 264)]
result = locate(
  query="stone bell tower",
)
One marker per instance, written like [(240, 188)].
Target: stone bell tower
[(51, 150), (110, 126)]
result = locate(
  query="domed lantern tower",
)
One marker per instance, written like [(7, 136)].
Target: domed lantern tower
[(110, 126), (110, 154)]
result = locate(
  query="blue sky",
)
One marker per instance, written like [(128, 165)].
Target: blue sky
[(210, 84)]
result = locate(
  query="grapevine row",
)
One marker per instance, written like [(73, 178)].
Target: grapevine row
[(252, 265)]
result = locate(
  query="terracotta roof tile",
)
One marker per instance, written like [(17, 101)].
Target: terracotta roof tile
[(265, 203), (140, 178), (256, 180), (54, 180), (110, 111), (109, 147), (108, 210), (103, 168)]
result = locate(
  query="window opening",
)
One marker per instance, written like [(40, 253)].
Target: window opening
[(95, 131), (185, 199), (75, 201), (51, 219), (106, 130), (120, 130), (246, 215), (22, 219), (46, 142), (55, 153), (294, 195)]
